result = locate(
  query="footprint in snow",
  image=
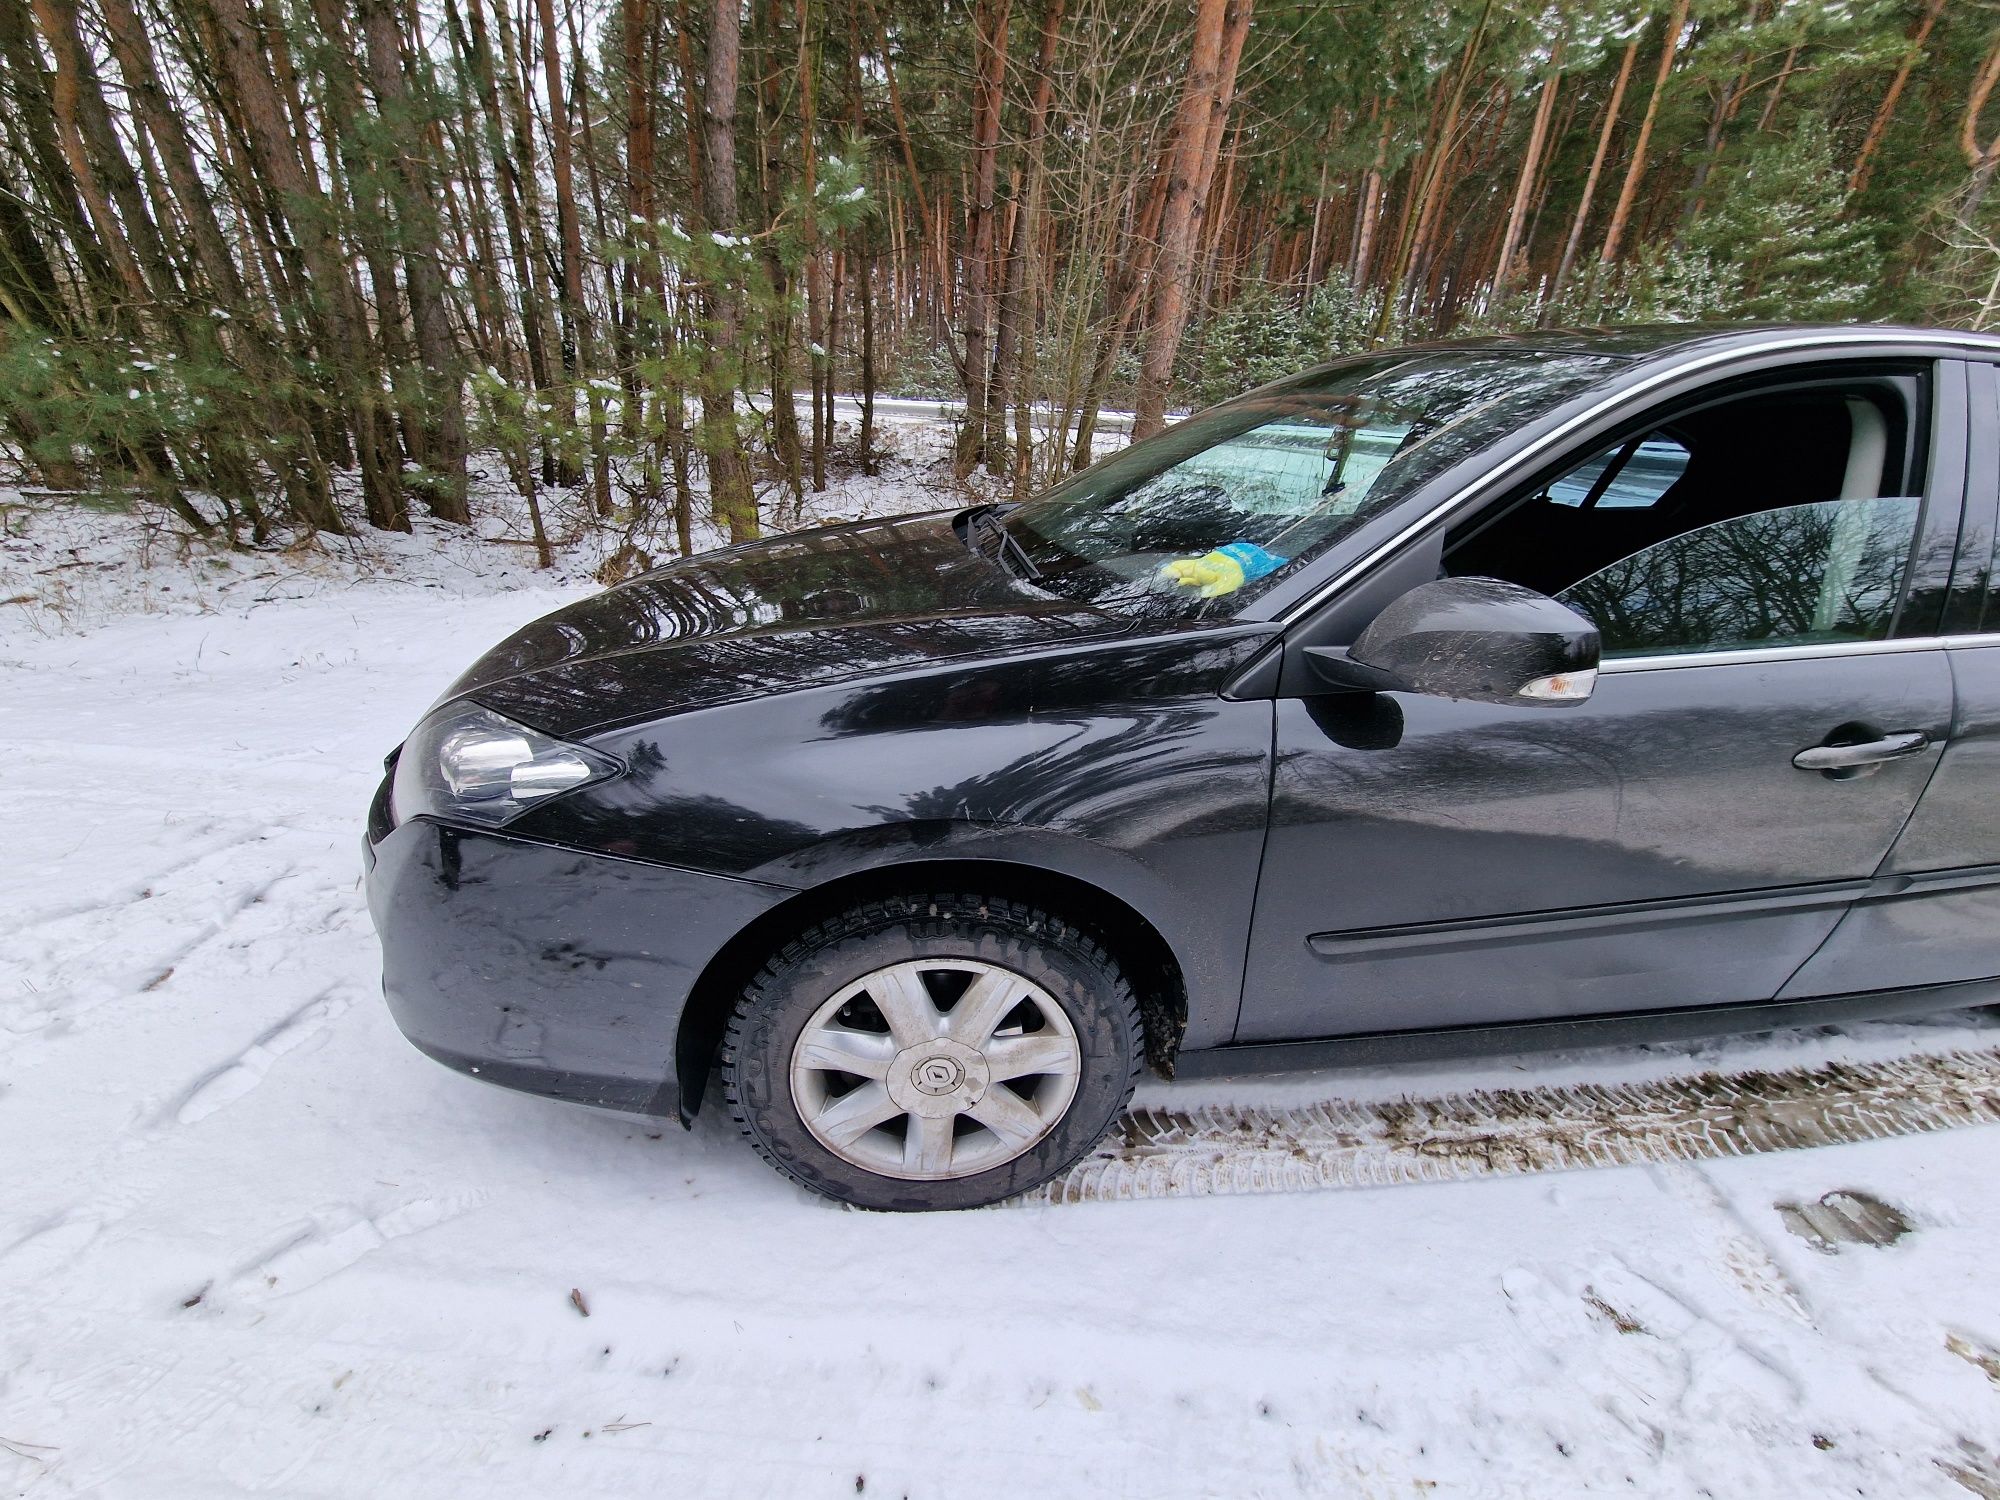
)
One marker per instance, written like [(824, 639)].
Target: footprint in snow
[(1647, 1358), (1845, 1218), (49, 1246), (1708, 1367), (1733, 1244), (223, 1086), (1552, 1319), (326, 1250)]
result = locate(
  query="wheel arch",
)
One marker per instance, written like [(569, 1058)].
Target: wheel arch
[(1141, 951)]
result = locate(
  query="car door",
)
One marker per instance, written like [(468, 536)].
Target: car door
[(1772, 703), (1933, 916)]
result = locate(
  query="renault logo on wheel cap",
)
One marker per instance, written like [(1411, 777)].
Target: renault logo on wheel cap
[(937, 1075)]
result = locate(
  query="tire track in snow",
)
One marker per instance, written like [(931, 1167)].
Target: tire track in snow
[(1166, 1153), (232, 905), (1973, 1469)]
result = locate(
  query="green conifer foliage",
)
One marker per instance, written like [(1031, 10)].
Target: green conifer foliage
[(1781, 235)]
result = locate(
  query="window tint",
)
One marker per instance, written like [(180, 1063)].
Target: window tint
[(1799, 575), (1624, 478)]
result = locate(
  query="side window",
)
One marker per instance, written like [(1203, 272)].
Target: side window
[(1797, 576), (1628, 477), (1982, 487), (1781, 517)]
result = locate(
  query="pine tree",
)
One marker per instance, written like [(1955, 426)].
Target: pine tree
[(1780, 225)]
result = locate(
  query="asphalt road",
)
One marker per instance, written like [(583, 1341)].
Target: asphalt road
[(905, 409)]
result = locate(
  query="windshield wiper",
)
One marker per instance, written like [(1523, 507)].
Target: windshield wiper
[(982, 524)]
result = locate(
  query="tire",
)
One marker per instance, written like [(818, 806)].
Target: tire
[(979, 997)]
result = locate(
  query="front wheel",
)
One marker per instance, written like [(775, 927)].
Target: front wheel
[(932, 1052)]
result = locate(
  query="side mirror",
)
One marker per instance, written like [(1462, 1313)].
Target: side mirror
[(1475, 638)]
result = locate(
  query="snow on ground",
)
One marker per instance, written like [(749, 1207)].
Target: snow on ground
[(67, 567), (252, 1243)]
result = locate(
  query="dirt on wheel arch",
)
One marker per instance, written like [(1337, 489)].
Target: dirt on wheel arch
[(1162, 1153)]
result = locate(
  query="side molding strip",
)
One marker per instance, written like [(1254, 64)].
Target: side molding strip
[(1626, 916)]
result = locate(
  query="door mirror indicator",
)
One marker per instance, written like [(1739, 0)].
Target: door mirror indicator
[(1472, 638)]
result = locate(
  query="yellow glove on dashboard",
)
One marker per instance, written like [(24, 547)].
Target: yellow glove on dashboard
[(1215, 574)]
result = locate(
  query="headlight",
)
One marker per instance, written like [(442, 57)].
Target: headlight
[(469, 763)]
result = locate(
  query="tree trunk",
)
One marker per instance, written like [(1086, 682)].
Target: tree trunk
[(97, 161), (836, 299), (818, 357), (1727, 103), (1589, 194), (1371, 204), (645, 286), (134, 55), (1778, 89), (1920, 33), (44, 162), (730, 495), (266, 132), (1422, 263), (1635, 169), (1122, 294), (864, 256), (571, 228), (865, 272), (1219, 30), (302, 472), (902, 124), (507, 181), (1010, 344), (31, 300), (579, 96), (440, 378), (1982, 157), (779, 320), (1511, 243), (989, 31), (1423, 190)]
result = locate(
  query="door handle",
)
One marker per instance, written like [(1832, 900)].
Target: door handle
[(1871, 753)]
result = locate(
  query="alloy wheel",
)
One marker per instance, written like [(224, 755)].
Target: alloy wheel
[(935, 1068)]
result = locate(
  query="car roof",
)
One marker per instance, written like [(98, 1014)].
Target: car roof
[(1659, 340), (1627, 352)]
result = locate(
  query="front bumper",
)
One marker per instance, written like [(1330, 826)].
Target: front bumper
[(546, 969)]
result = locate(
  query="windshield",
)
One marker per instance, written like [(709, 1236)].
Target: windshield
[(1209, 514)]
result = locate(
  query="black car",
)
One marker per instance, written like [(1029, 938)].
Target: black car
[(1485, 695)]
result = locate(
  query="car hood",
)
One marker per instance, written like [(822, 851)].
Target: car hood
[(802, 610)]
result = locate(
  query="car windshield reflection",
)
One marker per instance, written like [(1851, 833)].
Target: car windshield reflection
[(1209, 514)]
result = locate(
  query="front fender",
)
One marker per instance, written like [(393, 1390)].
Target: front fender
[(1201, 924), (1158, 797)]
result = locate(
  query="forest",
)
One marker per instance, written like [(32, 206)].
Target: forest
[(281, 266)]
